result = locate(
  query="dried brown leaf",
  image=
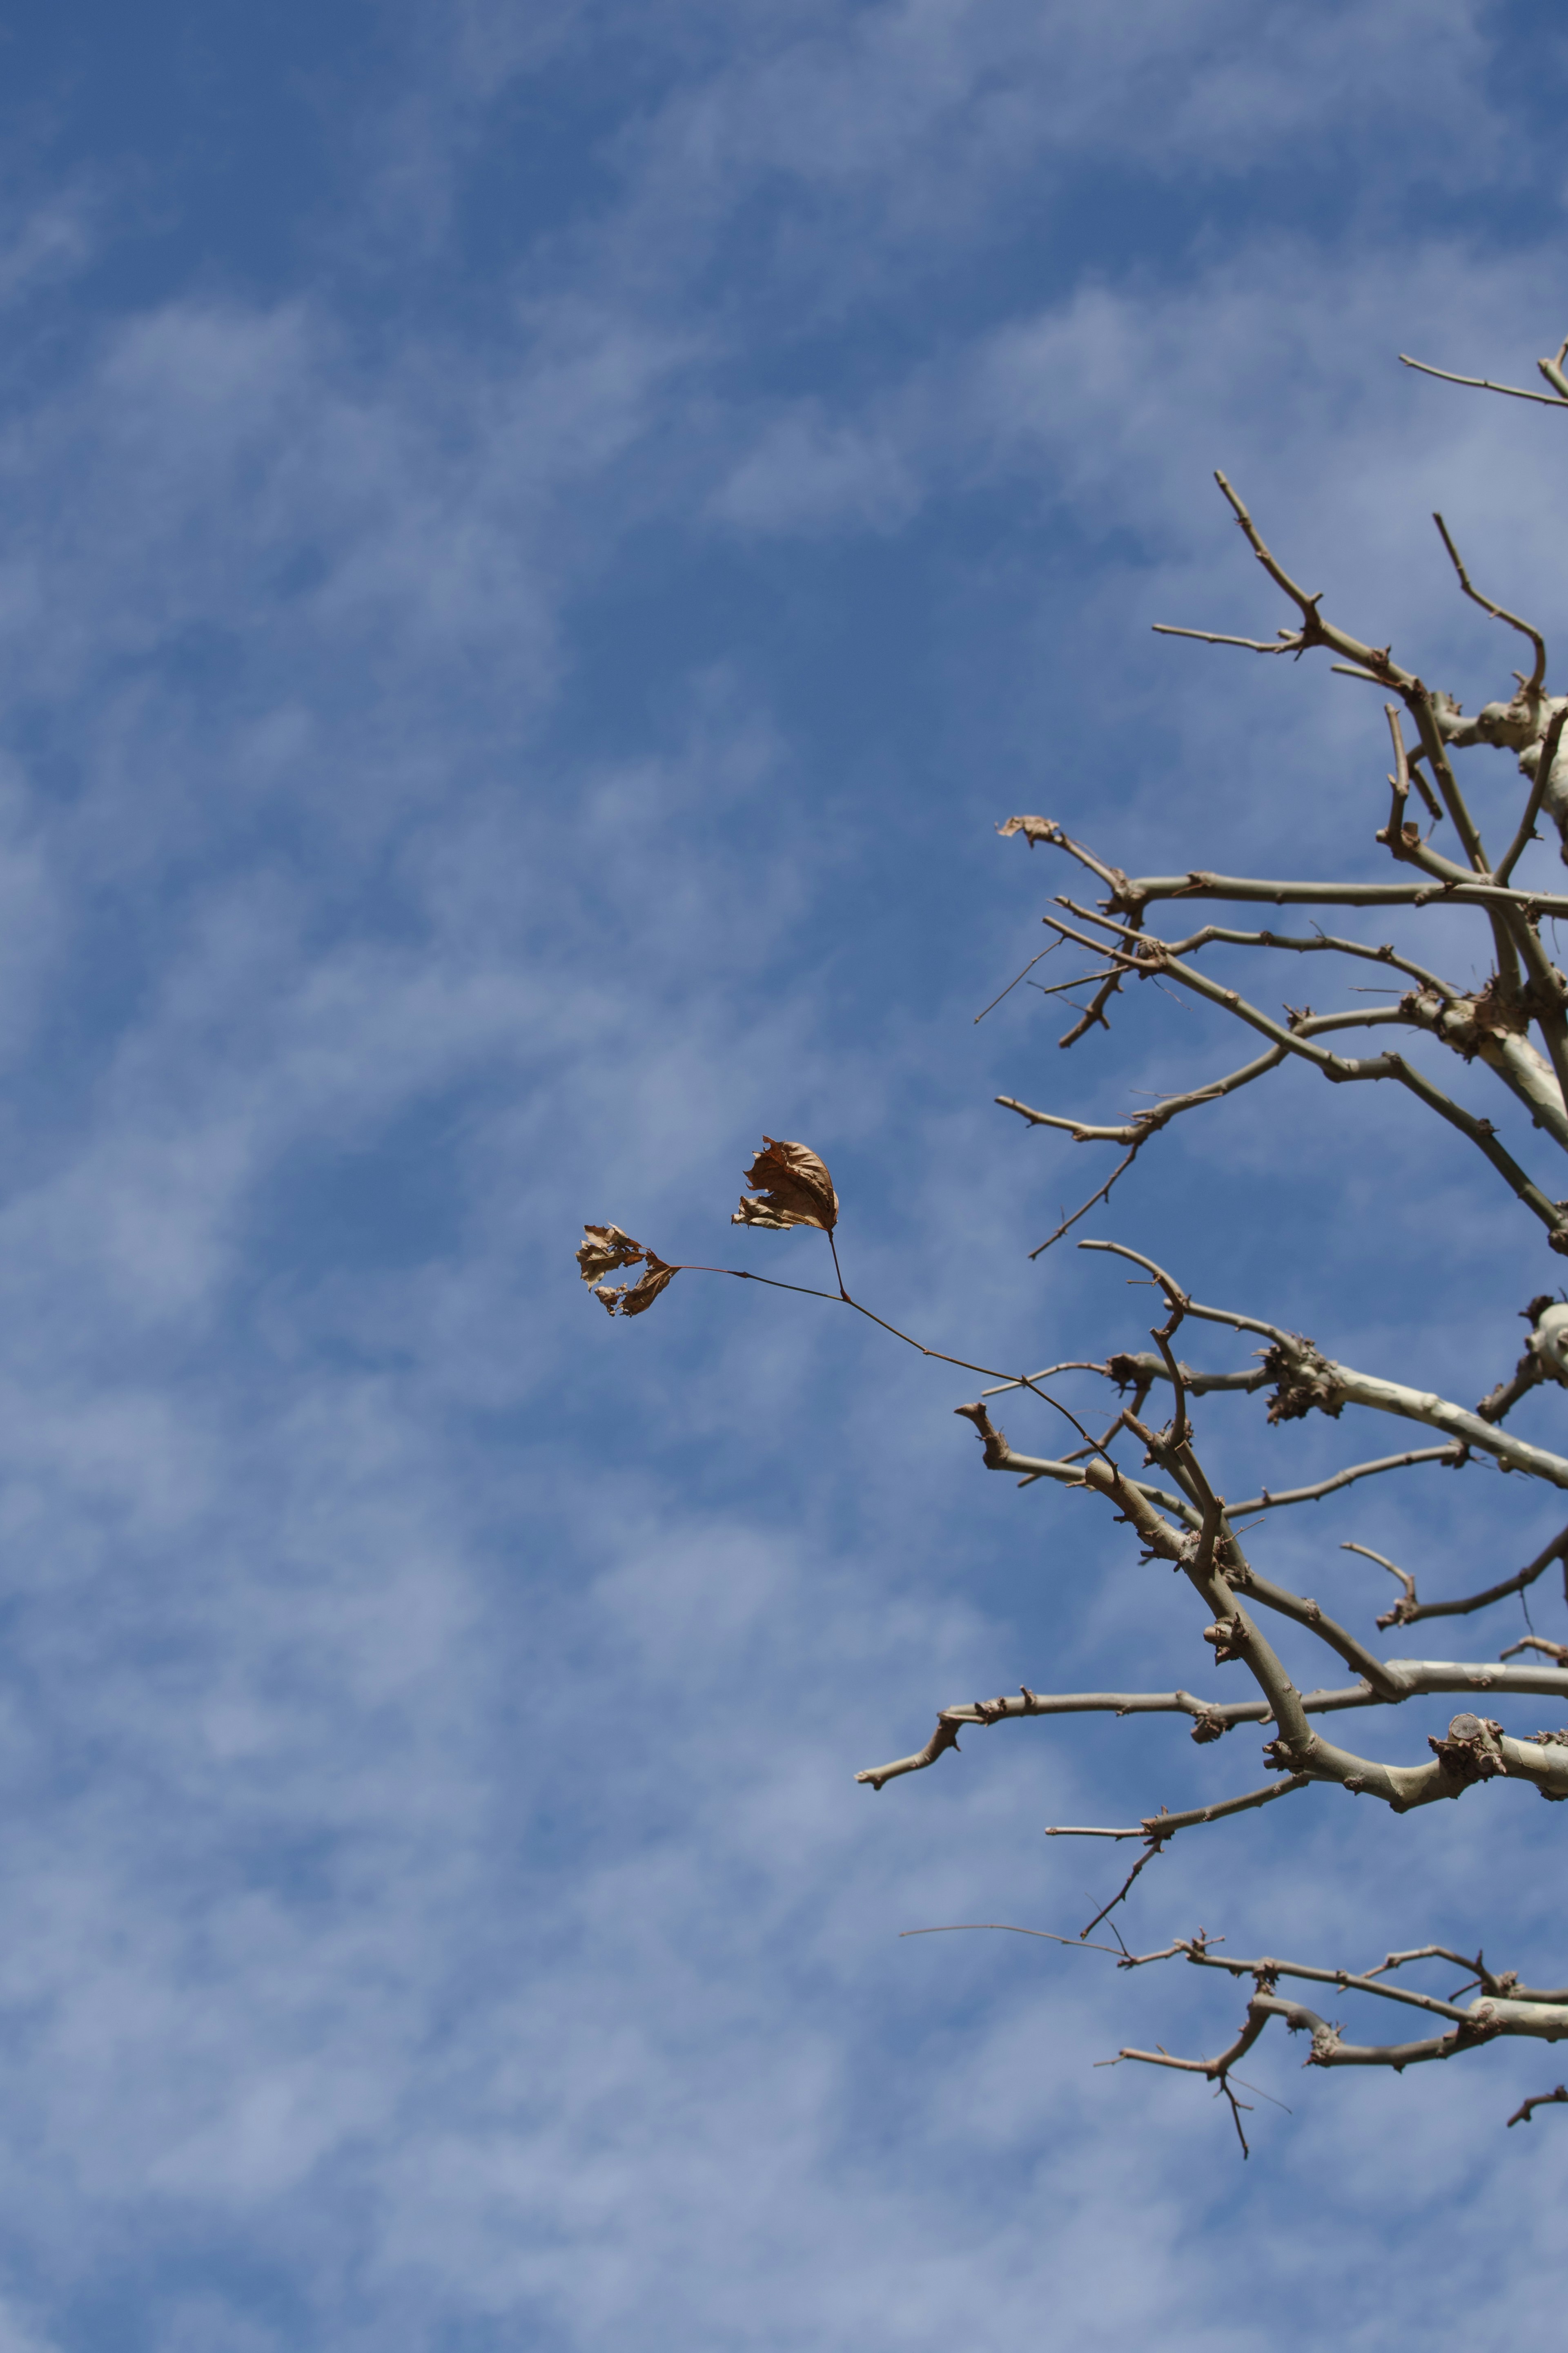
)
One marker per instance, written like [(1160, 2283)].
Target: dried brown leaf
[(647, 1286), (757, 1213), (636, 1298), (605, 1250), (795, 1186)]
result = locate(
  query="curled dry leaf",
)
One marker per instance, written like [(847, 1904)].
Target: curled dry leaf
[(634, 1298), (796, 1189), (605, 1250)]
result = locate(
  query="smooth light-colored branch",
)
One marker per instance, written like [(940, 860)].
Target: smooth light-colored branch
[(1155, 1828), (1202, 1955), (1302, 1611), (1546, 999), (1145, 1123), (1409, 1609), (1334, 1385), (1287, 642), (1268, 1501), (1491, 2020), (1402, 1679), (1472, 1750), (1193, 1553), (1469, 1023), (1201, 882), (1342, 1069), (1352, 1387), (1484, 384), (1146, 1367), (1314, 630), (1502, 2011), (1318, 943), (1558, 1651), (1480, 1026)]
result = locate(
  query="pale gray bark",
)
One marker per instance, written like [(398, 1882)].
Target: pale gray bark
[(1511, 1031)]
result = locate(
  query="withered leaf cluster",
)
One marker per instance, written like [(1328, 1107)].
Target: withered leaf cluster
[(789, 1186), (792, 1187), (604, 1252)]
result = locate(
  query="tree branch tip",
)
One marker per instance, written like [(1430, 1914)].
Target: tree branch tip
[(1522, 2114)]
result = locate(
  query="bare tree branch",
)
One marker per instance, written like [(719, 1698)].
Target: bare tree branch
[(1538, 675), (1523, 2114), (1152, 958), (1402, 1679), (1269, 1500), (1409, 1610), (1145, 1123), (1503, 2011), (1311, 1381), (1287, 642), (1509, 1023), (1136, 892), (1554, 400)]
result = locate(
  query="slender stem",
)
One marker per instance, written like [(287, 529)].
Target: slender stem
[(1499, 612), (1484, 384), (842, 1298)]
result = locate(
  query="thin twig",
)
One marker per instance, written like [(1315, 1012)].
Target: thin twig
[(1017, 979), (1538, 675), (1523, 2114), (1286, 645), (1122, 1892), (1102, 1195), (1483, 383), (1405, 1579)]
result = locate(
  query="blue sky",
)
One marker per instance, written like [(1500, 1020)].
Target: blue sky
[(539, 542)]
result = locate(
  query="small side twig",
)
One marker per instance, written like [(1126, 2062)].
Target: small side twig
[(1523, 2113), (1484, 382)]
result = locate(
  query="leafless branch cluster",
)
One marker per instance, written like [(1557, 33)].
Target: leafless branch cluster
[(1150, 1469)]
